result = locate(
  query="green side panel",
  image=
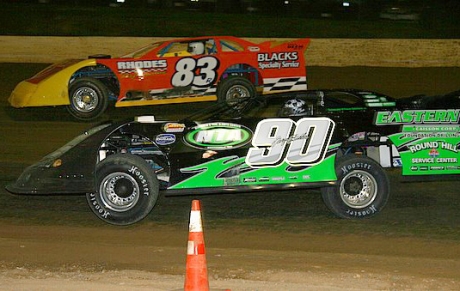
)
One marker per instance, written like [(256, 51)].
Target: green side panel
[(428, 150), (233, 171)]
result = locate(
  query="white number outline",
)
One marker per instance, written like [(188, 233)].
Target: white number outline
[(301, 143), (200, 72)]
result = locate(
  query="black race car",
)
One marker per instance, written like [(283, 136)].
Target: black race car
[(312, 139)]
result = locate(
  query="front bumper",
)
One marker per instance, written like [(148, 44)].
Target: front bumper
[(27, 94), (40, 179), (22, 94)]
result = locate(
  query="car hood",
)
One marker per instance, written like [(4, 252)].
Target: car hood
[(49, 86), (52, 69)]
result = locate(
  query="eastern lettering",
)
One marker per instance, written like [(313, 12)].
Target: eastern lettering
[(417, 117)]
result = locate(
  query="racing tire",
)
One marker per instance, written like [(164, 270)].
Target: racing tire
[(126, 190), (362, 188), (234, 88), (88, 98)]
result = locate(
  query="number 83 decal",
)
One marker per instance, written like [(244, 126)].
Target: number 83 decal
[(200, 72), (300, 143)]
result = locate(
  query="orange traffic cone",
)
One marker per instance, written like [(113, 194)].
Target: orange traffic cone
[(196, 278)]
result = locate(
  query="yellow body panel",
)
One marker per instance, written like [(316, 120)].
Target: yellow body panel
[(165, 101), (51, 91)]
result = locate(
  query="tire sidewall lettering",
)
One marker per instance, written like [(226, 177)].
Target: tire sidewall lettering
[(140, 173), (355, 166), (346, 166), (368, 211), (140, 177), (99, 210)]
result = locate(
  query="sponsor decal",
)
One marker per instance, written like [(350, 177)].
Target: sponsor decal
[(146, 64), (218, 136), (232, 181), (417, 117), (429, 148), (173, 127), (278, 60), (358, 136), (433, 149), (397, 162), (283, 56), (433, 146), (295, 46), (372, 100), (250, 180), (434, 153), (165, 139)]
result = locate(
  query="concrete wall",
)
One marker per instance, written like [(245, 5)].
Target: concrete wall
[(321, 52)]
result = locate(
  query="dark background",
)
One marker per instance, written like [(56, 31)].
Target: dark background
[(244, 18)]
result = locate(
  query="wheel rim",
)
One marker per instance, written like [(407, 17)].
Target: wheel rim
[(236, 92), (358, 189), (119, 192), (85, 99)]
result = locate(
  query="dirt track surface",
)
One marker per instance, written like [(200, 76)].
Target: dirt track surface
[(257, 241), (410, 53), (152, 257)]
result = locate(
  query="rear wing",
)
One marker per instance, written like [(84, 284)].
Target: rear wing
[(299, 45)]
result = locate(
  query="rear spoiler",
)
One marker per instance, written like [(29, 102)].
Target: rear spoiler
[(300, 44)]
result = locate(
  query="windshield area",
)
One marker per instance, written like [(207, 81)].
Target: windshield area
[(142, 51), (247, 108), (74, 142), (194, 47), (282, 105)]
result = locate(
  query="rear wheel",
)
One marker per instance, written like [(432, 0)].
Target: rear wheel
[(362, 188), (127, 190), (88, 99), (235, 88)]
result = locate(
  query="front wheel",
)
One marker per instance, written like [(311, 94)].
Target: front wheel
[(362, 188), (126, 190), (88, 99), (234, 88)]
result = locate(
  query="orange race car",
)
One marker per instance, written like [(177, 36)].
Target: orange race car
[(221, 68)]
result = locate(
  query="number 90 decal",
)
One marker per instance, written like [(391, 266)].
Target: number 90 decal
[(301, 143)]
